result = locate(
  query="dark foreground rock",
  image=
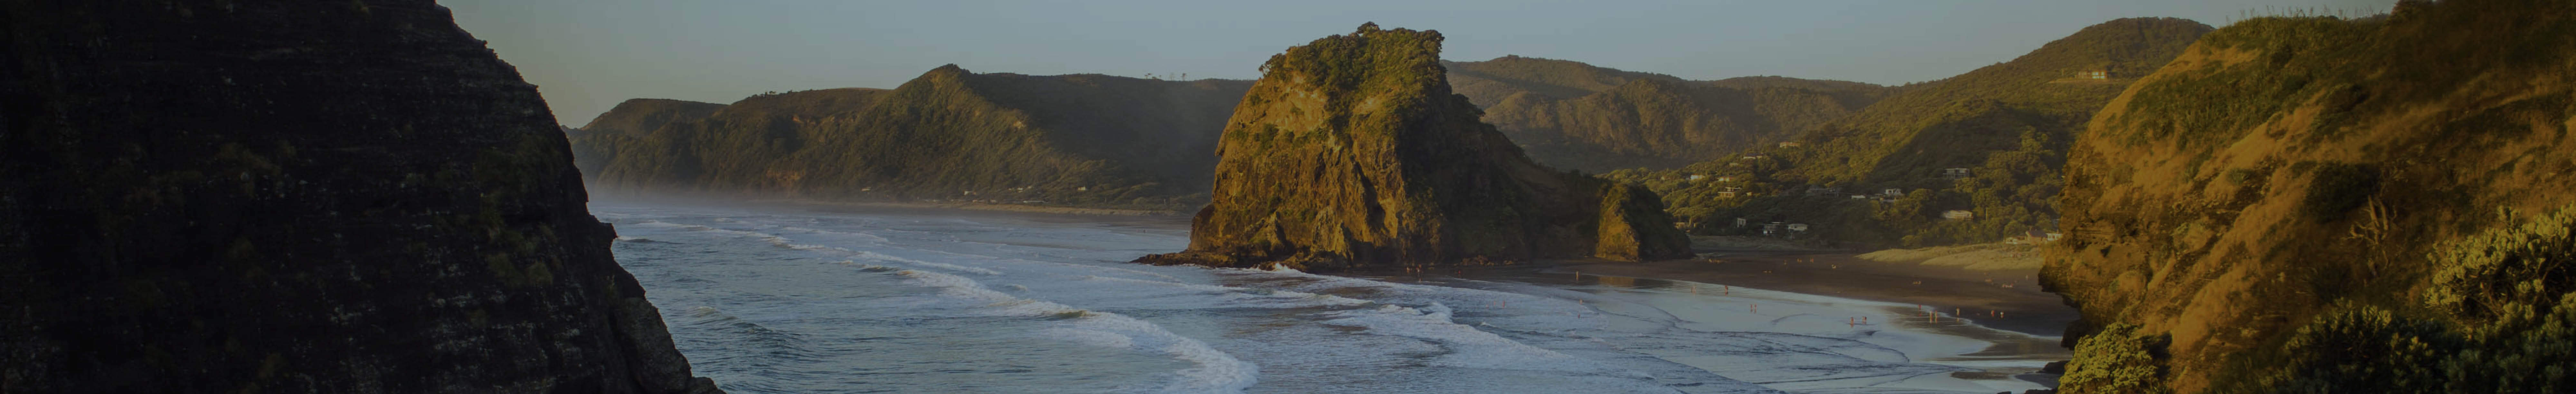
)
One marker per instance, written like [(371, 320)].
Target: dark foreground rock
[(1351, 152), (308, 197)]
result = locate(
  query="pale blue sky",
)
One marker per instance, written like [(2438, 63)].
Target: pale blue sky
[(587, 55)]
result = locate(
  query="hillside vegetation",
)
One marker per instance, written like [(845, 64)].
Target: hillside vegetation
[(2007, 124), (1352, 153), (1577, 116), (2321, 205), (596, 143), (1089, 140)]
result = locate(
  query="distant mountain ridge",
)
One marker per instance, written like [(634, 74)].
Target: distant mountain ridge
[(950, 134), (1972, 158), (1578, 116)]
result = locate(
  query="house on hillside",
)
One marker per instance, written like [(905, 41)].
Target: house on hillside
[(1730, 192), (2093, 74), (1694, 178), (1958, 215), (1791, 144), (1739, 223), (1771, 229), (1797, 227), (1726, 179), (1955, 173), (1892, 192)]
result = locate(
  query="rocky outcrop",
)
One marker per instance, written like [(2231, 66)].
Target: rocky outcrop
[(951, 134), (2324, 205), (1351, 152), (308, 197)]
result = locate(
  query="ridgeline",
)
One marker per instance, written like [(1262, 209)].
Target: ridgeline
[(1968, 159), (1080, 140)]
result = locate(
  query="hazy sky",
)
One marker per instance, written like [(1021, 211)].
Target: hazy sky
[(587, 55)]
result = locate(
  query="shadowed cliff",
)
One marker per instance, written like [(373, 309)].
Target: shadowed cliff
[(1351, 152), (310, 197), (2309, 204)]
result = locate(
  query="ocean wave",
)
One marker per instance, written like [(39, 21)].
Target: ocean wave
[(1468, 346), (1214, 371)]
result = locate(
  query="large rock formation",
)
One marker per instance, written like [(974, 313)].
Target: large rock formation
[(1092, 140), (1351, 152), (309, 197), (2322, 205)]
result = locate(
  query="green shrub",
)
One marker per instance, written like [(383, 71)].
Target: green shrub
[(2117, 360)]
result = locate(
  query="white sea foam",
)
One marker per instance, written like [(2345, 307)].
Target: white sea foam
[(1469, 347), (1214, 371)]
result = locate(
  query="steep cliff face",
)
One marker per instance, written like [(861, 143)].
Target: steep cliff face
[(949, 134), (1351, 152), (597, 143), (315, 197), (2315, 205)]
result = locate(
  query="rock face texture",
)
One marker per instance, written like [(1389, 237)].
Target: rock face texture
[(306, 197), (1090, 140), (2317, 205), (1351, 152)]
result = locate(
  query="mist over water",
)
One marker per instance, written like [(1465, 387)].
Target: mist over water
[(798, 300)]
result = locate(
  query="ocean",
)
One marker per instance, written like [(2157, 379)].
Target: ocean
[(840, 300)]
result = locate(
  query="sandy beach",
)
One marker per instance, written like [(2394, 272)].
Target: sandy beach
[(2008, 299)]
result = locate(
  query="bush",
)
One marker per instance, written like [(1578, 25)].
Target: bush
[(2117, 360), (2527, 264)]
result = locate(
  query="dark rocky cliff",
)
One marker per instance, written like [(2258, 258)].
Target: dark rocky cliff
[(1351, 152), (310, 197)]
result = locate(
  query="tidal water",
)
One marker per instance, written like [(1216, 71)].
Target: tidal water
[(821, 300)]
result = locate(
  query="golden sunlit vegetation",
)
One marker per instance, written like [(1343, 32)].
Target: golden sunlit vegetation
[(2311, 204)]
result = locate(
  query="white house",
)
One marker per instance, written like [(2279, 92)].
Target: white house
[(1958, 215)]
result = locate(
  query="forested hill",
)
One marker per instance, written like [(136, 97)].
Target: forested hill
[(1090, 140), (594, 143), (2302, 205), (2005, 128), (1577, 116)]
